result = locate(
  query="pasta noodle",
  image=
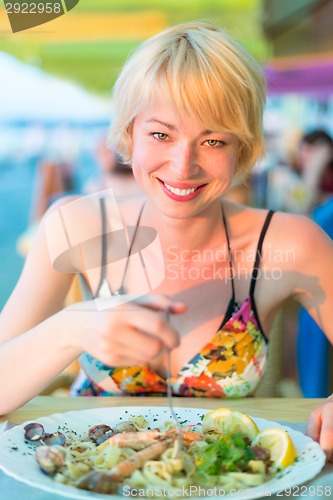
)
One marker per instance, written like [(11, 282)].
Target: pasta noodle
[(154, 460)]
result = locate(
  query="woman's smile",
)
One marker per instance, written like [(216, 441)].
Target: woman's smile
[(181, 191)]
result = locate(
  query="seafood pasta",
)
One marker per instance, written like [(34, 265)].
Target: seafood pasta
[(225, 451)]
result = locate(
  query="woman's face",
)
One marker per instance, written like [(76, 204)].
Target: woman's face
[(182, 166)]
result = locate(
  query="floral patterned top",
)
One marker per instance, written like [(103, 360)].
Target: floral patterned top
[(231, 364)]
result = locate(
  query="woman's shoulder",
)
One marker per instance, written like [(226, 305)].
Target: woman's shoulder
[(285, 229)]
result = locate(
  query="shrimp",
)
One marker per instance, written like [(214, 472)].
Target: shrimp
[(126, 467), (108, 482), (134, 440), (190, 436)]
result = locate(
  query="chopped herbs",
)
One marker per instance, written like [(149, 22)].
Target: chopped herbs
[(227, 453)]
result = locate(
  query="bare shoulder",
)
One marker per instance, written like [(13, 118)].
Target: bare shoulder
[(299, 232), (292, 233), (285, 228)]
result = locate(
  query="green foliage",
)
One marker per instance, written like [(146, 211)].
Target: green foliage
[(95, 64), (175, 5)]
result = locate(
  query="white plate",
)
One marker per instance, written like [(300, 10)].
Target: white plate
[(20, 463)]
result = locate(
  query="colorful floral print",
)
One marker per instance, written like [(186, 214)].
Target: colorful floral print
[(230, 365)]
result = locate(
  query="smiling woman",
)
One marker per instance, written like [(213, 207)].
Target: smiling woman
[(188, 119)]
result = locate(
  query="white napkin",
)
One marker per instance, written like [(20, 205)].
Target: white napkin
[(5, 426)]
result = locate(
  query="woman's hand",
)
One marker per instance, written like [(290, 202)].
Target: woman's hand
[(128, 334), (320, 426)]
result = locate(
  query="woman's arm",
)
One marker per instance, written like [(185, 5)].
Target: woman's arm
[(39, 339), (314, 272), (34, 343), (314, 292)]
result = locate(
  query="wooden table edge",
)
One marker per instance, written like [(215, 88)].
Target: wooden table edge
[(275, 409)]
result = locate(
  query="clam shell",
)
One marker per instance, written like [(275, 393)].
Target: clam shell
[(50, 458), (33, 432), (96, 432), (100, 482), (57, 438)]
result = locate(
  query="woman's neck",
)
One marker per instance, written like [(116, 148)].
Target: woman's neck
[(198, 232)]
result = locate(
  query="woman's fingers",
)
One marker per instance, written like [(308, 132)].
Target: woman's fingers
[(148, 322), (326, 433), (314, 426), (150, 301), (139, 345), (153, 302), (161, 302), (127, 327), (320, 427)]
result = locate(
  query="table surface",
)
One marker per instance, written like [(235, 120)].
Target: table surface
[(275, 409), (289, 410)]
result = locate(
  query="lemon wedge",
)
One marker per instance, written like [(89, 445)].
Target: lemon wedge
[(224, 420), (280, 445)]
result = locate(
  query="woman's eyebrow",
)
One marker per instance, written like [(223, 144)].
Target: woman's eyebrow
[(173, 128), (165, 124)]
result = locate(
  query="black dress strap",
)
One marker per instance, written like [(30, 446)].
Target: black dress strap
[(120, 290), (257, 262)]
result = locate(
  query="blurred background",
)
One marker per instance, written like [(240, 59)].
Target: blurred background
[(55, 109)]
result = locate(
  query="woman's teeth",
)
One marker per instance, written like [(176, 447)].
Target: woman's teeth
[(180, 192)]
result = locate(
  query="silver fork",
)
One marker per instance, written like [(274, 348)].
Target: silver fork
[(169, 387)]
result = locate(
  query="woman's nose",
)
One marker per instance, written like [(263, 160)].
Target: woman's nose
[(185, 161)]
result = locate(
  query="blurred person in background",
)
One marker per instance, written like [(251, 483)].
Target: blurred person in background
[(314, 163), (304, 178), (112, 174), (53, 179)]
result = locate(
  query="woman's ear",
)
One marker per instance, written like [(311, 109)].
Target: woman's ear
[(129, 142)]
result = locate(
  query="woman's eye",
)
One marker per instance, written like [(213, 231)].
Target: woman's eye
[(214, 143), (160, 136)]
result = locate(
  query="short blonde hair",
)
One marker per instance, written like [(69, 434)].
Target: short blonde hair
[(207, 74)]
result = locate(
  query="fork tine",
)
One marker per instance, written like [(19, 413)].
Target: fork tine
[(169, 387)]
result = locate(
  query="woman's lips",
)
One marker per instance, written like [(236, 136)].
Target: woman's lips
[(181, 192)]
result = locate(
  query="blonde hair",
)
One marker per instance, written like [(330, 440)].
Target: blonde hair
[(207, 74)]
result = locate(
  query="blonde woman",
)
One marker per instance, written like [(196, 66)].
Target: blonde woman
[(188, 118)]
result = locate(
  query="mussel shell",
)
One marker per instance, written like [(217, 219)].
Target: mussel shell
[(57, 438), (50, 458), (97, 431), (33, 432), (100, 482)]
